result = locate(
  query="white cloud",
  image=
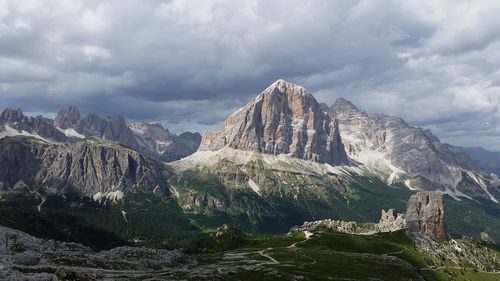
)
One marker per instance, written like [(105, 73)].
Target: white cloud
[(95, 52), (4, 8)]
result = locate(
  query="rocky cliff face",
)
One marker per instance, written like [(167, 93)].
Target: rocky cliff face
[(67, 117), (283, 119), (405, 153), (425, 215), (70, 126), (14, 121), (153, 140), (88, 167)]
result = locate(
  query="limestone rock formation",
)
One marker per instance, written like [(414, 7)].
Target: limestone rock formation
[(158, 142), (425, 215), (67, 117), (412, 155), (350, 227), (283, 119), (391, 221), (13, 121), (90, 167), (70, 126), (114, 128)]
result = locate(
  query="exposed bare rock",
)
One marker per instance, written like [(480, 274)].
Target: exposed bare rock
[(391, 221), (13, 121), (425, 215), (283, 119), (404, 153), (351, 227), (465, 251), (24, 257), (91, 167), (158, 142), (114, 128), (67, 118)]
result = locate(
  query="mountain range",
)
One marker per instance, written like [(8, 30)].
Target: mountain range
[(278, 161), (69, 126)]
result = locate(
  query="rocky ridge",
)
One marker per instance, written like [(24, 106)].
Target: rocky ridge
[(70, 126), (283, 119), (408, 154), (91, 167), (154, 139)]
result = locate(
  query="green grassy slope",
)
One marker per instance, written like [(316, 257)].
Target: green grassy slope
[(328, 256)]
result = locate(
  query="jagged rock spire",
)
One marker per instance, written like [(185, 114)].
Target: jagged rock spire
[(67, 117), (425, 215)]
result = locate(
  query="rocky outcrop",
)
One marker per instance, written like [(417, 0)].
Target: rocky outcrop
[(350, 227), (425, 215), (88, 167), (466, 252), (283, 119), (391, 221), (150, 139), (24, 257), (404, 153)]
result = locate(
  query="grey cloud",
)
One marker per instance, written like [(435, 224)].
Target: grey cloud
[(191, 63)]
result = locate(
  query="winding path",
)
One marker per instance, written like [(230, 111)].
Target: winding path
[(308, 236)]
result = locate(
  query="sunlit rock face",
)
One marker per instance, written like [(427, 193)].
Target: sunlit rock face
[(425, 215), (408, 154), (283, 119)]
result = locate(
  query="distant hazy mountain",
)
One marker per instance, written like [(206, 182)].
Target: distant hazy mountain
[(69, 125), (488, 161)]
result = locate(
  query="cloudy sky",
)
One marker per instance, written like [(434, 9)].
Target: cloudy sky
[(189, 64)]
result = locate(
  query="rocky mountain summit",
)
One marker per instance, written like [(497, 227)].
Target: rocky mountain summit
[(286, 120), (153, 139), (69, 126), (408, 154), (14, 122), (283, 119)]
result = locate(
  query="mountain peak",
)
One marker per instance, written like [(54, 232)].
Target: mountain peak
[(12, 114), (285, 87), (67, 117), (343, 107), (283, 119), (342, 102)]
